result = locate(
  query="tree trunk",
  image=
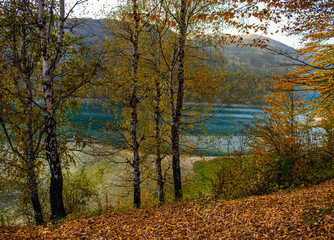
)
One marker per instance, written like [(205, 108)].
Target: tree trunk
[(175, 129), (34, 191), (133, 105), (31, 159), (49, 66), (158, 158), (176, 161), (52, 155)]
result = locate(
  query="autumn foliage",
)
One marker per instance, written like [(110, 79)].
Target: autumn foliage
[(160, 64)]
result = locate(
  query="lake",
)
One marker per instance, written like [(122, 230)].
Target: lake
[(223, 131)]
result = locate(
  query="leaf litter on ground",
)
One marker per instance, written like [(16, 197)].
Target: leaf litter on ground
[(301, 214)]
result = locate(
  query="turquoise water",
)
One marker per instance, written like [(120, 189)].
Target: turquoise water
[(229, 120), (223, 131)]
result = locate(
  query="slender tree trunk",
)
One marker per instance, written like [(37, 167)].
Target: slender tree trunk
[(31, 159), (176, 120), (292, 124), (158, 158), (49, 66), (34, 191), (52, 155), (133, 105), (294, 145), (176, 161)]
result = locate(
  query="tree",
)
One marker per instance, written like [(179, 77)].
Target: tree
[(327, 124), (126, 88), (188, 18), (69, 81), (19, 114), (313, 62), (156, 97), (281, 136), (312, 21), (311, 70), (50, 61), (160, 61), (168, 60), (134, 38), (177, 108), (21, 108)]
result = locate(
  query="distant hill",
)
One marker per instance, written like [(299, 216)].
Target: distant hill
[(273, 43), (255, 58)]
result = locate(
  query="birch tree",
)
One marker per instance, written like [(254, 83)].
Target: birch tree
[(164, 63), (19, 114), (188, 17), (125, 88), (134, 38), (66, 75), (50, 61)]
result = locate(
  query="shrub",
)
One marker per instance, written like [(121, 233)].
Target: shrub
[(79, 191)]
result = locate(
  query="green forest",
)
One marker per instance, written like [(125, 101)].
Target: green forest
[(112, 120)]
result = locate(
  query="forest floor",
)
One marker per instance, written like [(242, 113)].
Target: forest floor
[(300, 214)]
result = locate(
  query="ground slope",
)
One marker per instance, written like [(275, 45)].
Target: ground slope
[(301, 214)]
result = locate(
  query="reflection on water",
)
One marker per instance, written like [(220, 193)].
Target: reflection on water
[(222, 130), (230, 120)]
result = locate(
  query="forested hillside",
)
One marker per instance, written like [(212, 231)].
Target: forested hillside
[(259, 60), (254, 58)]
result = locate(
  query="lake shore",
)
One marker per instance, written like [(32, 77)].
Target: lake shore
[(105, 150)]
